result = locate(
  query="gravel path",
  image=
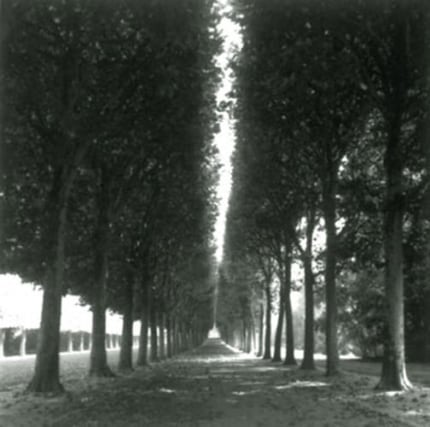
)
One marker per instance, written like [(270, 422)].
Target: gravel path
[(213, 386)]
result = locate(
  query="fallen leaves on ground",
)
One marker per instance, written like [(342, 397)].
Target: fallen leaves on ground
[(216, 386)]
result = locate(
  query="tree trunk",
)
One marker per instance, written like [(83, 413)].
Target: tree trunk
[(126, 351), (98, 357), (309, 340), (261, 331), (248, 347), (81, 341), (169, 336), (289, 330), (309, 343), (153, 327), (5, 7), (142, 355), (393, 375), (426, 197), (175, 332), (329, 208), (268, 337), (23, 343), (279, 326), (162, 347), (46, 377), (252, 332)]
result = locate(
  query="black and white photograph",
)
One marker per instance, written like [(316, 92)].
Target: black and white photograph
[(214, 213)]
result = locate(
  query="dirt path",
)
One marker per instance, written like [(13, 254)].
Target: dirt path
[(215, 386)]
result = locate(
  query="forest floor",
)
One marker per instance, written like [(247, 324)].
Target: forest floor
[(213, 385)]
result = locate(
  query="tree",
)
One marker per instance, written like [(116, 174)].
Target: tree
[(98, 81)]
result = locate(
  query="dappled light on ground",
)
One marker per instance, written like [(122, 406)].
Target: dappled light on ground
[(214, 386), (301, 384)]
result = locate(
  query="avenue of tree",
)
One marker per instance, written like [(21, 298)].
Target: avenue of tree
[(331, 110), (108, 168), (108, 175)]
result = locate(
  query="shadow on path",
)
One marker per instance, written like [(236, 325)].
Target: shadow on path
[(215, 385)]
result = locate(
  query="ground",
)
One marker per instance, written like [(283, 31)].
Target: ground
[(212, 386)]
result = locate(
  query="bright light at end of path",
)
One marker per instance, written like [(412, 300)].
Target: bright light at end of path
[(224, 140)]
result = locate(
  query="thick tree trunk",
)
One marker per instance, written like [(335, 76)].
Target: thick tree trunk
[(153, 327), (393, 375), (329, 207), (268, 332), (46, 377), (309, 343), (169, 336), (175, 332), (142, 355), (426, 199), (261, 331), (309, 340), (289, 330), (162, 346), (126, 351), (98, 357), (5, 21), (279, 326), (253, 338)]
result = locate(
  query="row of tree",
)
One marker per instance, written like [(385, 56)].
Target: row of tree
[(108, 171), (333, 128)]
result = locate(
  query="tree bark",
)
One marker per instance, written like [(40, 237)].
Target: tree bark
[(142, 355), (289, 329), (169, 336), (261, 331), (279, 326), (426, 198), (98, 357), (162, 346), (253, 338), (46, 378), (175, 332), (309, 342), (126, 351), (268, 336), (393, 376), (329, 208), (153, 327)]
